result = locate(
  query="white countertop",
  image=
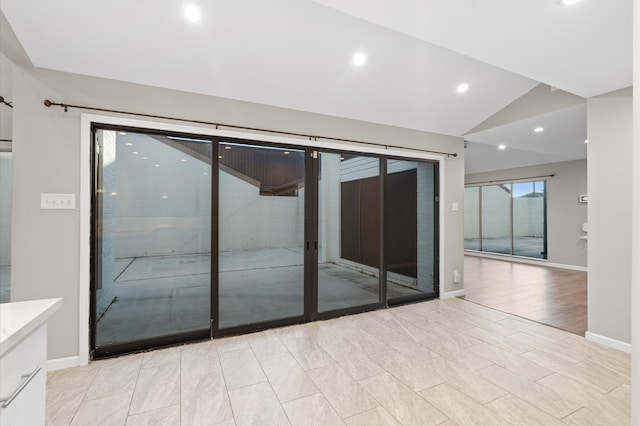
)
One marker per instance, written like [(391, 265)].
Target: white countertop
[(18, 319)]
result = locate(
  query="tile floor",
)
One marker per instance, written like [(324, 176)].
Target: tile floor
[(439, 362)]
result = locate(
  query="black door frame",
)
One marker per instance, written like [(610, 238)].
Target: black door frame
[(310, 284)]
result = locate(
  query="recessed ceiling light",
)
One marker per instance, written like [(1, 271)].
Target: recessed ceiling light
[(129, 144), (539, 129), (502, 146), (463, 88), (184, 160), (227, 147), (568, 2), (122, 133), (157, 165), (359, 59), (145, 158), (135, 153), (586, 141), (219, 156), (286, 153), (192, 13)]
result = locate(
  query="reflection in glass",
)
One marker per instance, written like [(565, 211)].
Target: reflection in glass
[(472, 218), (261, 233), (529, 234), (5, 221), (410, 228), (496, 218), (152, 252), (349, 231)]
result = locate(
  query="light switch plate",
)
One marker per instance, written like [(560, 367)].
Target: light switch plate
[(455, 207), (57, 201)]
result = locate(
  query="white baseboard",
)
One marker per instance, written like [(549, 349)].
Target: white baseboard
[(529, 261), (450, 294), (607, 341), (60, 363), (570, 267)]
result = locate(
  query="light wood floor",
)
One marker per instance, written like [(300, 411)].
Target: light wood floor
[(551, 296)]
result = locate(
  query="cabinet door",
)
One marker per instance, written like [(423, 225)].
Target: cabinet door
[(28, 407)]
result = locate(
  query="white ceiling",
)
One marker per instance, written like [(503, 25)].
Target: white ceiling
[(297, 53), (562, 140), (585, 49)]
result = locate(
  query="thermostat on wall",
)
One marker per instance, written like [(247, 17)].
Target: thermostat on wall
[(583, 198)]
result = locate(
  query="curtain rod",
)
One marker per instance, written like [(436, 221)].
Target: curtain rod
[(2, 101), (510, 180), (49, 103)]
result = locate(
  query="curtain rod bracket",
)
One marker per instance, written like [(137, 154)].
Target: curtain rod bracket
[(49, 104)]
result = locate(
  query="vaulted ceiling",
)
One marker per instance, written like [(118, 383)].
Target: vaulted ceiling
[(298, 54)]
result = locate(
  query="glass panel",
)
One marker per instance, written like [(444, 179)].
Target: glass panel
[(496, 218), (261, 234), (410, 228), (5, 221), (472, 218), (349, 231), (529, 236), (153, 236)]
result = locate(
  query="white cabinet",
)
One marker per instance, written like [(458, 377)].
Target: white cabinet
[(23, 357), (24, 362)]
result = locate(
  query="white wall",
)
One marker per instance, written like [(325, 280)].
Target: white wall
[(250, 221), (635, 249), (496, 212), (47, 159), (528, 217), (609, 128), (565, 215), (158, 210)]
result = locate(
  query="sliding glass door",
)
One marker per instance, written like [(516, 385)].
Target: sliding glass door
[(152, 258), (507, 218), (349, 235), (411, 231), (496, 218), (529, 221), (261, 233), (197, 237), (472, 234)]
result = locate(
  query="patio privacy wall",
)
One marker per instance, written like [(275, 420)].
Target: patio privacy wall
[(529, 211)]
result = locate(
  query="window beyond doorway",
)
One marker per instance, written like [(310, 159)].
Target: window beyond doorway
[(507, 218)]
